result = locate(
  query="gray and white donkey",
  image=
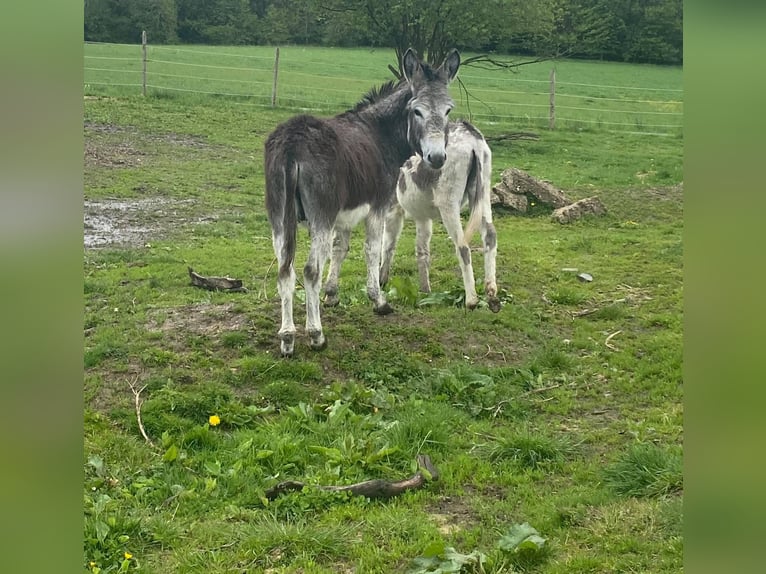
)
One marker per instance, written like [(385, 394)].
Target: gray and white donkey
[(425, 193)]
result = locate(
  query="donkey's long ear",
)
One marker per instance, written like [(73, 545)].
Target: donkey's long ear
[(451, 64), (410, 65)]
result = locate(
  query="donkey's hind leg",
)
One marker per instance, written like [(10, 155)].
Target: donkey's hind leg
[(286, 288), (392, 229), (489, 240), (423, 232), (321, 240), (451, 219), (340, 240)]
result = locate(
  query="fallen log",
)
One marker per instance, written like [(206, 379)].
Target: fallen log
[(377, 488), (512, 136), (216, 283)]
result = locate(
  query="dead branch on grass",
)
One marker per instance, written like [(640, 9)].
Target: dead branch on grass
[(584, 312), (497, 409), (138, 403), (216, 283), (263, 293), (491, 352), (609, 338), (513, 136), (377, 488)]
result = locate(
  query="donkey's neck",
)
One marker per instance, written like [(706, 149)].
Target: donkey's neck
[(389, 107), (389, 116)]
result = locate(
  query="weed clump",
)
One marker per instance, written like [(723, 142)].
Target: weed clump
[(646, 470)]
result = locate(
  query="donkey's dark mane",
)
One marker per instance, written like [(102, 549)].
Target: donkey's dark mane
[(377, 94)]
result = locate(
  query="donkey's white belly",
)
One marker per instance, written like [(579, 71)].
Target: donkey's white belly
[(350, 218), (418, 204), (422, 203)]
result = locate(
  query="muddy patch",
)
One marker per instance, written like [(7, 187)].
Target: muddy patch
[(451, 514), (133, 223), (112, 146), (199, 319)]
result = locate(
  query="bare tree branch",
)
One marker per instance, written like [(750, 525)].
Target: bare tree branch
[(489, 62)]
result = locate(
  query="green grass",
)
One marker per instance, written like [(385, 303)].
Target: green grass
[(646, 470), (528, 414), (591, 96)]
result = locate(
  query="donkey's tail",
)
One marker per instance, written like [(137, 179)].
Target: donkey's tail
[(281, 193), (478, 179)]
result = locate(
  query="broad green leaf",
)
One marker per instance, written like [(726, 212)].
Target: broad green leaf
[(102, 530), (331, 453), (460, 559), (521, 536), (261, 454), (171, 454), (436, 548), (213, 468), (97, 463), (245, 445)]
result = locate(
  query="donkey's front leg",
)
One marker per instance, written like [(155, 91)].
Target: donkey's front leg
[(372, 250), (312, 275), (340, 240), (451, 218), (392, 229)]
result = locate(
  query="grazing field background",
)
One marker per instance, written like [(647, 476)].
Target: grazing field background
[(562, 411), (588, 95)]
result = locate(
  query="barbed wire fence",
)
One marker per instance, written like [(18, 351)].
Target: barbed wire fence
[(268, 81)]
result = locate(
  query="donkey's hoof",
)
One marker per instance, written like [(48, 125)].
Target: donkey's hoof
[(471, 304), (287, 349), (331, 300), (287, 344), (494, 304), (317, 340), (383, 309)]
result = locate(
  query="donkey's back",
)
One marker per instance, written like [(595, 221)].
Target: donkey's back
[(334, 164)]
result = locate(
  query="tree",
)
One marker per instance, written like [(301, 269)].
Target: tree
[(433, 27), (124, 20), (216, 22)]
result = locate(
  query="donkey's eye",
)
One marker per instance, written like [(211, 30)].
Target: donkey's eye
[(448, 111), (417, 112)]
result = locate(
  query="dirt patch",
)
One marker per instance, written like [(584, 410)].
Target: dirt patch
[(451, 514), (132, 223), (112, 146), (200, 319)]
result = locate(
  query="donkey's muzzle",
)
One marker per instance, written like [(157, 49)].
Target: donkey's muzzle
[(436, 159)]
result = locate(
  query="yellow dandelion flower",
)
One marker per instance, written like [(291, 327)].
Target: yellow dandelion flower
[(214, 420), (128, 556)]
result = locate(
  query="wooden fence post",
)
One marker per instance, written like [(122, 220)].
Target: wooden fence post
[(552, 112), (143, 47), (274, 86)]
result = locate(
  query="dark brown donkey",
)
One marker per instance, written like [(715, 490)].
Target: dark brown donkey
[(334, 172)]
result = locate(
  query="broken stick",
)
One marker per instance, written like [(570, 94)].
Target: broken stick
[(377, 488), (216, 283)]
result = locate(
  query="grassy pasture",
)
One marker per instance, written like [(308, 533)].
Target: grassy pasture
[(529, 415), (589, 95)]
